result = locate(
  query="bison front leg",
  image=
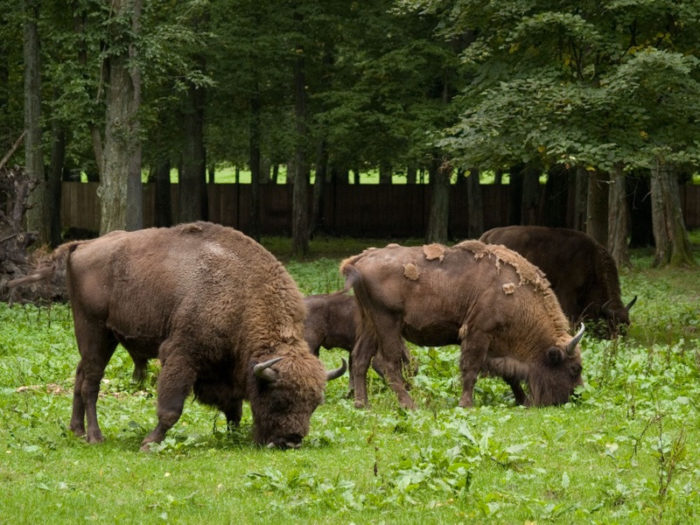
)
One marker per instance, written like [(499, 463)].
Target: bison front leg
[(517, 389), (233, 413), (471, 362), (175, 383)]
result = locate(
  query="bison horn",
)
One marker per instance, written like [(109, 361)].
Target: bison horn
[(577, 338), (335, 374), (631, 304), (264, 372)]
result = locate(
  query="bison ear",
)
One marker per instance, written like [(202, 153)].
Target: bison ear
[(555, 355)]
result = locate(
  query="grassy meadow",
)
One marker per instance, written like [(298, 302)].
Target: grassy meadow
[(625, 451)]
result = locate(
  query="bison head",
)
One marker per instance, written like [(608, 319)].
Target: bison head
[(617, 319), (553, 379), (283, 394)]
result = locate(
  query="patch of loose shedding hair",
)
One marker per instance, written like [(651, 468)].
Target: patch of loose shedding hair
[(434, 251), (529, 274), (411, 271)]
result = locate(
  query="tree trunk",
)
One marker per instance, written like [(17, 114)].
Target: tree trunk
[(498, 177), (120, 185), (556, 193), (439, 201), (385, 173), (476, 205), (34, 160), (163, 205), (300, 196), (317, 218), (580, 199), (597, 207), (79, 21), (515, 195), (411, 174), (53, 183), (670, 234), (618, 217), (192, 183), (254, 161), (531, 196)]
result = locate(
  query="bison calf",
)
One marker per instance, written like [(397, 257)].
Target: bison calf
[(332, 321), (491, 301), (221, 313)]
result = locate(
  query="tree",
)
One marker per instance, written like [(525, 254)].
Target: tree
[(120, 184), (618, 217), (582, 85), (34, 159), (439, 212)]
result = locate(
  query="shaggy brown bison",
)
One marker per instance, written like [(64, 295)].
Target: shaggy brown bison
[(221, 313), (581, 272), (486, 298), (332, 321)]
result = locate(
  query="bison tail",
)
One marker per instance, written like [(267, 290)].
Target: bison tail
[(352, 275), (46, 268)]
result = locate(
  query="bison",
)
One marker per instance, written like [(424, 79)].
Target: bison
[(221, 313), (581, 272), (491, 301), (332, 321)]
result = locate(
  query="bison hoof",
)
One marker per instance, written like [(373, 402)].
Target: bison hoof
[(360, 404), (95, 437), (78, 431), (408, 405)]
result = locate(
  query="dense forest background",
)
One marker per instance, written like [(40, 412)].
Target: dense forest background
[(584, 94)]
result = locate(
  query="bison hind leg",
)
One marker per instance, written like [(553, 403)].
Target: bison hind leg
[(96, 347)]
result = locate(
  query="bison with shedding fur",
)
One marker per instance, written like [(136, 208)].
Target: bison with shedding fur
[(581, 272), (221, 313), (489, 300)]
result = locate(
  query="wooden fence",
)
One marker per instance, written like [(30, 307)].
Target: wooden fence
[(351, 210)]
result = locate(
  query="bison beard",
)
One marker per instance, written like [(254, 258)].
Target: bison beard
[(219, 311), (488, 299)]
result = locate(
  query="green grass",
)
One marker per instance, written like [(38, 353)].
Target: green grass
[(623, 452)]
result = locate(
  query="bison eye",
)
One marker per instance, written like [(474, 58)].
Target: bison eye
[(575, 370)]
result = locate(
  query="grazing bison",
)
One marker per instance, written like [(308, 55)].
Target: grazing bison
[(581, 272), (486, 298), (332, 321), (220, 312)]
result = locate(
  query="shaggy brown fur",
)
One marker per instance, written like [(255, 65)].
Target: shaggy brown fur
[(582, 273), (210, 303), (488, 299)]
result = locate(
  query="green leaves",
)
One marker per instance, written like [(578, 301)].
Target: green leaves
[(621, 453)]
